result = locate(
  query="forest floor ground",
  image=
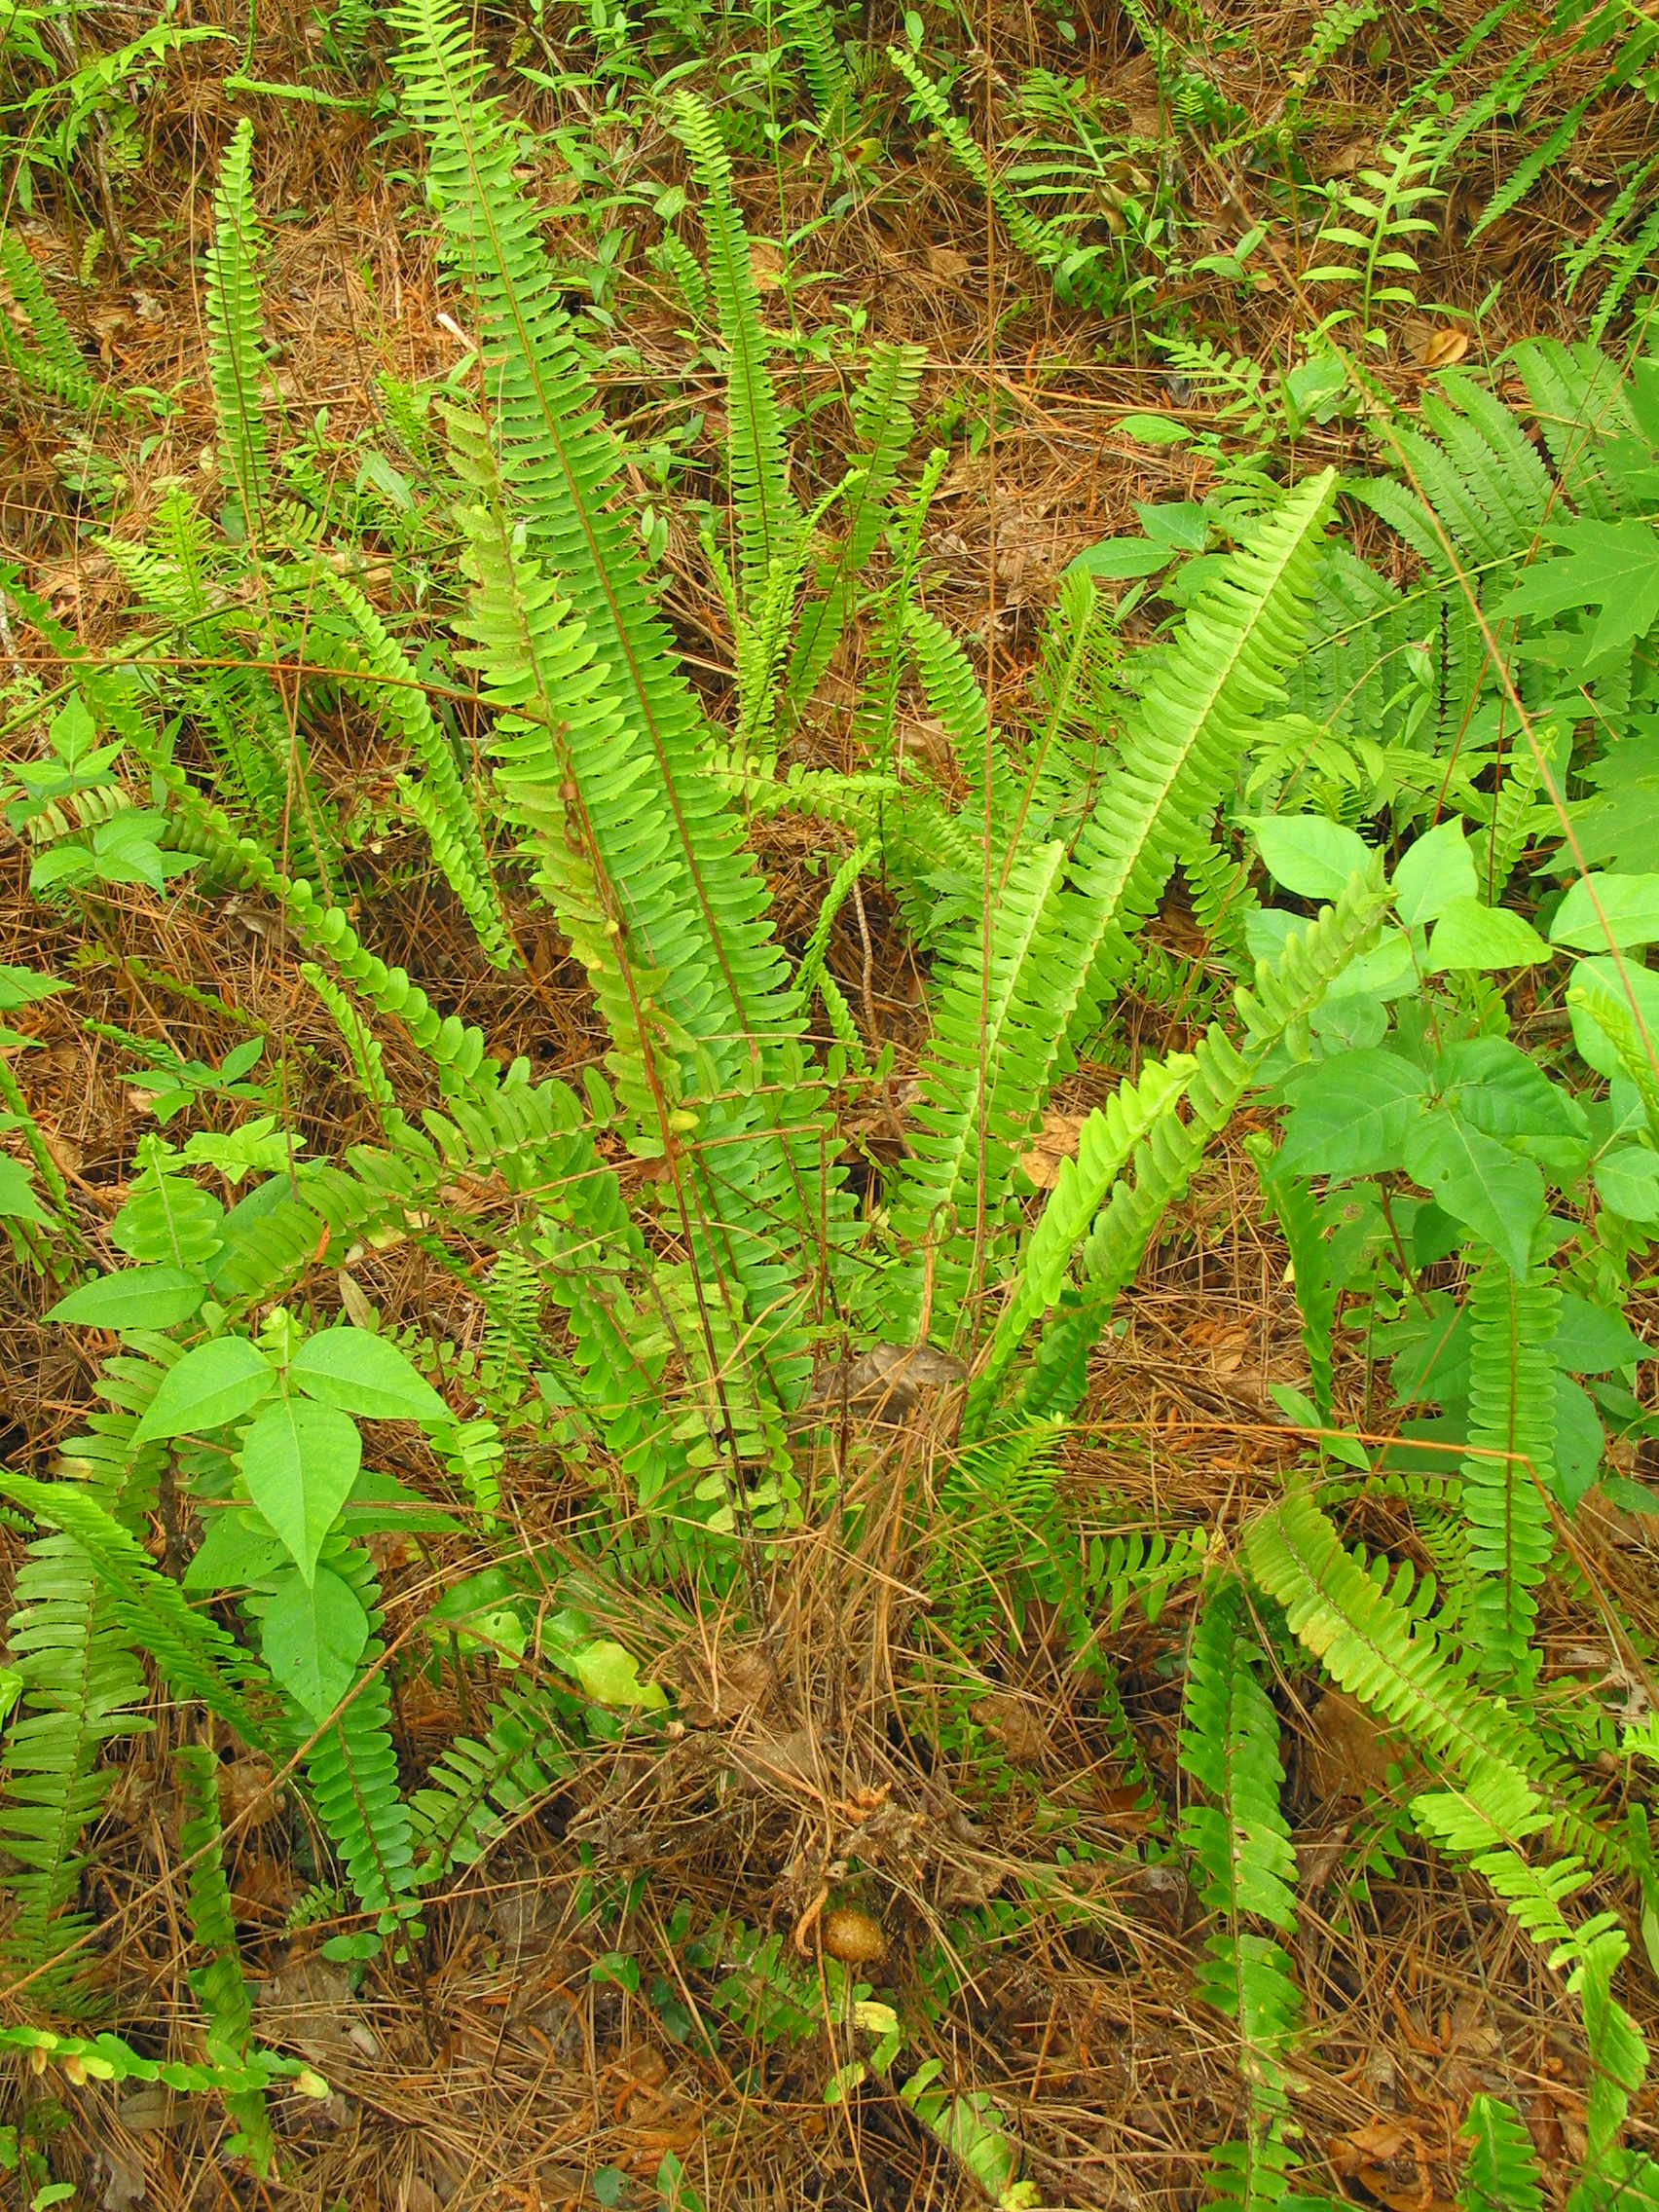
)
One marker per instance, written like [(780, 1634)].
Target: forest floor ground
[(495, 2070)]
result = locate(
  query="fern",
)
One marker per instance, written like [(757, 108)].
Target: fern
[(1169, 1153), (1228, 1746), (476, 1786), (1502, 2173), (53, 365), (691, 901), (194, 1654), (1292, 1202), (882, 418), (1509, 1464), (218, 1986), (440, 802), (768, 523), (235, 363), (1062, 933)]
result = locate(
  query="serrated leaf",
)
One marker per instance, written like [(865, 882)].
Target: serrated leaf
[(132, 1298), (298, 1461), (1614, 566), (215, 1383), (366, 1375)]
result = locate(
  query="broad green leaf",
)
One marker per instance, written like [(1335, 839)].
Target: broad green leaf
[(1591, 1341), (1628, 1181), (1610, 564), (1503, 1090), (1118, 559), (1352, 1116), (1478, 1182), (1310, 857), (609, 1675), (1438, 868), (18, 1201), (1579, 1440), (362, 1373), (313, 1636), (239, 1547), (215, 1383), (298, 1461), (1630, 913), (1153, 429), (132, 1298), (1468, 934), (1627, 983)]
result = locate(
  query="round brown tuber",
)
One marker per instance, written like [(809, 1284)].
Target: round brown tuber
[(853, 1937)]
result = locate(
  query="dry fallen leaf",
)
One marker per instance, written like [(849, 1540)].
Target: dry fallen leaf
[(1056, 1141), (1444, 348), (944, 260), (767, 266), (1015, 1725), (1348, 1751)]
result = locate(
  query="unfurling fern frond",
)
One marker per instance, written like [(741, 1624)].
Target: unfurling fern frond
[(1240, 1840), (235, 361), (440, 802), (218, 1986), (1509, 1464), (769, 525)]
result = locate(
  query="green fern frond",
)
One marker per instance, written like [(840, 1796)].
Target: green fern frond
[(1240, 1840), (1503, 2171), (361, 1043), (1509, 1464), (476, 1787), (1292, 1202), (235, 361), (194, 1656), (57, 368), (692, 902), (1171, 1150), (882, 420), (768, 526), (218, 1986), (440, 802)]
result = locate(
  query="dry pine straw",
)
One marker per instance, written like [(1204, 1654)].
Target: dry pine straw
[(499, 2072)]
